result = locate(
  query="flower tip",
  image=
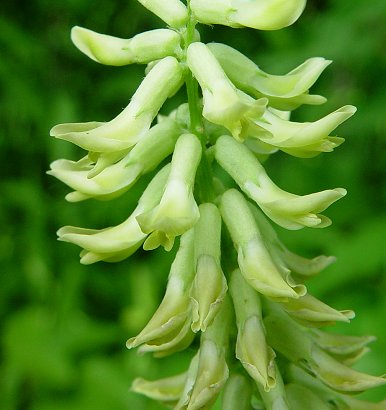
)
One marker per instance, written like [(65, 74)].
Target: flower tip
[(349, 109), (349, 314), (131, 343), (341, 192)]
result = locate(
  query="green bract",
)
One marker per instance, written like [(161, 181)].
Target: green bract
[(261, 341)]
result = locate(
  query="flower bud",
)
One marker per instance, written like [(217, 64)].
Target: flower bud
[(116, 243), (285, 92), (252, 350), (177, 210), (209, 285), (255, 261), (224, 104), (258, 14), (117, 178), (134, 121), (172, 12), (169, 328), (142, 48), (287, 210)]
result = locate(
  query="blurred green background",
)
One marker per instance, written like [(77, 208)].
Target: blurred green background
[(64, 325)]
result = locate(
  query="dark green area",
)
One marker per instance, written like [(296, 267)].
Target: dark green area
[(64, 325)]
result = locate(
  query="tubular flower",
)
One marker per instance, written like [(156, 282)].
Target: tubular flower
[(169, 328), (254, 259), (142, 48), (209, 286), (284, 92), (134, 121), (116, 243), (235, 296), (287, 210), (224, 104), (251, 347), (157, 144), (258, 14), (177, 210)]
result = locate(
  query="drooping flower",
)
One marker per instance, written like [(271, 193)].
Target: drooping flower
[(134, 121), (224, 104), (209, 285), (177, 210), (208, 371), (142, 48), (252, 349), (117, 178), (116, 243), (310, 311), (295, 343), (284, 92), (287, 210), (303, 140), (173, 12), (169, 328), (258, 14), (254, 259), (167, 390)]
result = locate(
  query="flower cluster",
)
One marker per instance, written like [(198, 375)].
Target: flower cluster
[(244, 299)]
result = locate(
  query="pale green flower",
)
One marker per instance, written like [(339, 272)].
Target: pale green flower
[(173, 12), (295, 343), (224, 104), (142, 48), (339, 400), (117, 178), (169, 328), (310, 311), (116, 243), (300, 267), (287, 210), (134, 121), (254, 259), (338, 344), (252, 349), (258, 14), (302, 139), (167, 390), (209, 285), (285, 92), (177, 210), (208, 371)]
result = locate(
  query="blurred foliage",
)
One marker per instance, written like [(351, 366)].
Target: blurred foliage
[(63, 325)]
